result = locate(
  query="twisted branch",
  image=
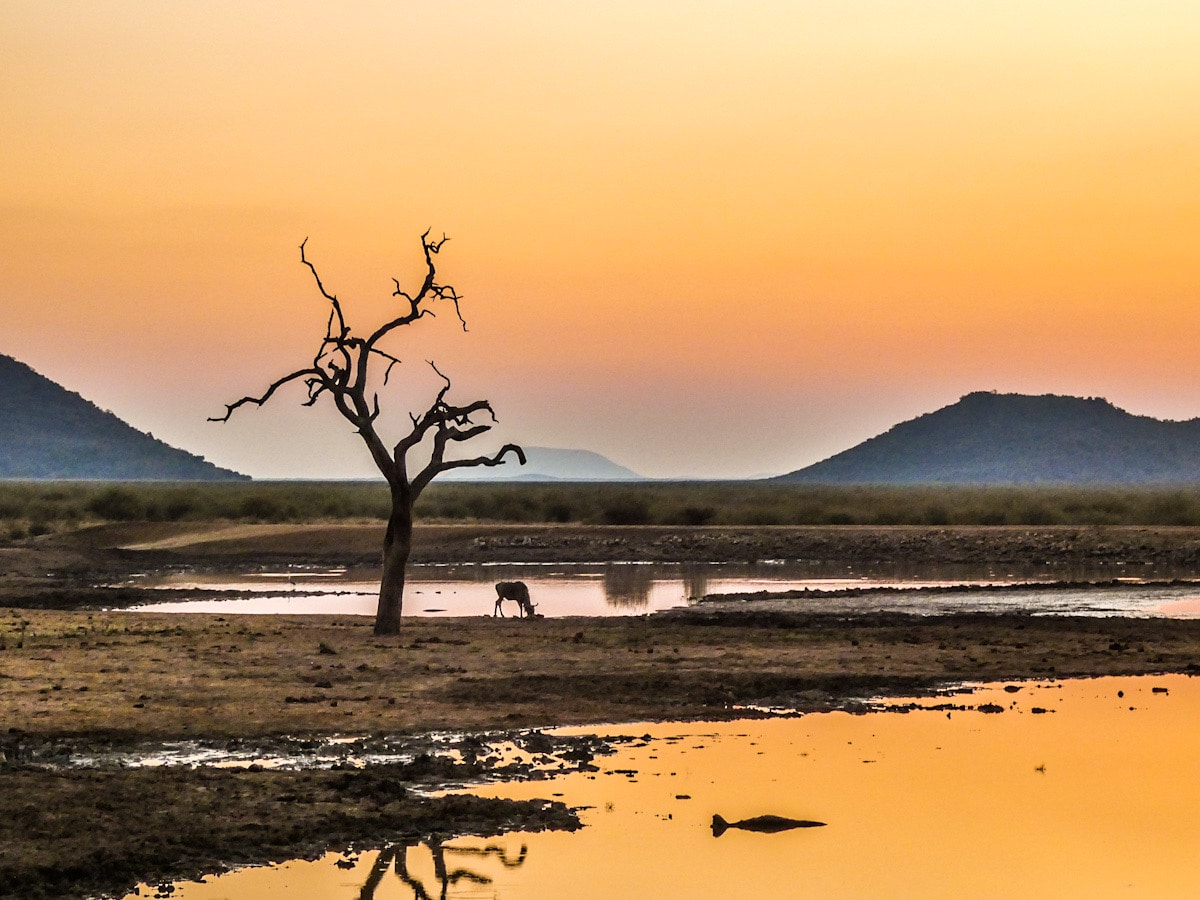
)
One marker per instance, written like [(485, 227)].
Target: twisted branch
[(341, 367), (260, 399)]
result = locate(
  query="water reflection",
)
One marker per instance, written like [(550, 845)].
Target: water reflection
[(417, 870), (467, 590), (628, 587), (396, 857), (636, 589), (1032, 789)]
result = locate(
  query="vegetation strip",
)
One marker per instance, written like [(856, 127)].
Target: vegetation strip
[(36, 508)]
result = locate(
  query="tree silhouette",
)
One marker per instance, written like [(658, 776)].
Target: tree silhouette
[(396, 856), (344, 370)]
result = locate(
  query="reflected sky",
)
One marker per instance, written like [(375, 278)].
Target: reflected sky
[(616, 589), (1096, 795)]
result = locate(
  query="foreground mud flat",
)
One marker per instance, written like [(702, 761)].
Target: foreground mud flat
[(121, 677), (78, 683), (82, 832), (75, 680)]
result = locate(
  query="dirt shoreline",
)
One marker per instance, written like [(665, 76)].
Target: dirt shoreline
[(75, 676), (89, 555)]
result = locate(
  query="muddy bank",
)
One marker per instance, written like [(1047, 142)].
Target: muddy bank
[(77, 833), (74, 679), (77, 682), (108, 547), (121, 676)]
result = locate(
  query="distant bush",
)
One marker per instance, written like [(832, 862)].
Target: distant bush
[(260, 506), (626, 511), (118, 503), (696, 515)]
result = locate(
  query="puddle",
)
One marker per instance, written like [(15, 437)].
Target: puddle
[(1182, 608), (1177, 600), (1041, 789), (442, 758), (640, 588)]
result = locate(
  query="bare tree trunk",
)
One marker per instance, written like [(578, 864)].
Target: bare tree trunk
[(341, 369), (397, 544)]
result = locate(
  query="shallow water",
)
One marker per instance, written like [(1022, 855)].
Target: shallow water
[(616, 589), (1097, 796)]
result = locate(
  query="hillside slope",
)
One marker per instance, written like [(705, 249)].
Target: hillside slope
[(988, 438), (47, 431)]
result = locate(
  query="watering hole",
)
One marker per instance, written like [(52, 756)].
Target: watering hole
[(1046, 789), (618, 589)]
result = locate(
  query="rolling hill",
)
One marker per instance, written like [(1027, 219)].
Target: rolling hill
[(550, 464), (49, 432), (989, 438)]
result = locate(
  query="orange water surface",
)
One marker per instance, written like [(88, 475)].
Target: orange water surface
[(1083, 788)]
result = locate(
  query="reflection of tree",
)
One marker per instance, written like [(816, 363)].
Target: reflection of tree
[(628, 585), (397, 856), (695, 582)]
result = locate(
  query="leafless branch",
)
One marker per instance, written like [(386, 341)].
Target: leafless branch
[(336, 310), (427, 475), (265, 396), (392, 361)]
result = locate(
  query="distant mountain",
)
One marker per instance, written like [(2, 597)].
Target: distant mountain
[(49, 432), (988, 438), (549, 464)]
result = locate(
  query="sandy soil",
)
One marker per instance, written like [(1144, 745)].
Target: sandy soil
[(75, 678)]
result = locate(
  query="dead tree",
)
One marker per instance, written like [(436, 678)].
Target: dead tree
[(344, 369)]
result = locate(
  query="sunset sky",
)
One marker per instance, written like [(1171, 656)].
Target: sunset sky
[(708, 239)]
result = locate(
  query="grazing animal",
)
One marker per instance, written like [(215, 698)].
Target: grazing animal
[(765, 824), (518, 592)]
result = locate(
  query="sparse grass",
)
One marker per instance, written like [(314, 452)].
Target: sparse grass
[(28, 509), (141, 676)]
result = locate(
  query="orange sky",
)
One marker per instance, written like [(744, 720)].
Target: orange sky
[(702, 238)]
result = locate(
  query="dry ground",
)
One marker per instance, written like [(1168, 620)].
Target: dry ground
[(123, 677)]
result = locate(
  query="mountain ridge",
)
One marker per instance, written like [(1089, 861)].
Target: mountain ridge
[(49, 432), (992, 438)]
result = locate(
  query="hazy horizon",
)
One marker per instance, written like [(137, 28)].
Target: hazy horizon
[(710, 240)]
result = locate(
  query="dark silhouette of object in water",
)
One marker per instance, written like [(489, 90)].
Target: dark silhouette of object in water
[(344, 371), (628, 586), (397, 857), (518, 592), (764, 824)]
